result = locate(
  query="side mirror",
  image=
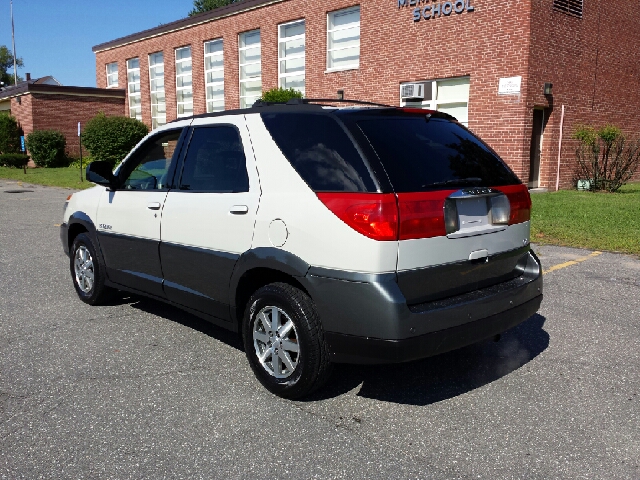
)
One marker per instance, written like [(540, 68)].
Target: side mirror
[(101, 173)]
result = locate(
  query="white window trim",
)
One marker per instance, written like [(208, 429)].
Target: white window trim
[(219, 69), (249, 79), (115, 85), (181, 89), (156, 91), (340, 69), (434, 103), (353, 66), (281, 40), (139, 93)]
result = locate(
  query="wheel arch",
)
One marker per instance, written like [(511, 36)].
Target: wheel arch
[(80, 222), (261, 266)]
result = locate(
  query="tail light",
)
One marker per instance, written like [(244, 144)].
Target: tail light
[(520, 201), (374, 215), (422, 214), (382, 216)]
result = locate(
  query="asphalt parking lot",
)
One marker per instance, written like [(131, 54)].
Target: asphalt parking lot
[(139, 389)]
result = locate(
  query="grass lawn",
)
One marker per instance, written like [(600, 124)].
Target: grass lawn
[(55, 177), (597, 221)]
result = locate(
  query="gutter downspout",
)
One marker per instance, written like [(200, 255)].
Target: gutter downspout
[(559, 149)]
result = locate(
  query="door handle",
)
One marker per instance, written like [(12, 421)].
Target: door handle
[(239, 210), (154, 206)]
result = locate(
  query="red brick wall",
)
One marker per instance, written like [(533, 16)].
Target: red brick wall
[(22, 112), (500, 38), (63, 112), (594, 65)]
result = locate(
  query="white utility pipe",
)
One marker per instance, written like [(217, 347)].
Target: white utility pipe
[(559, 149)]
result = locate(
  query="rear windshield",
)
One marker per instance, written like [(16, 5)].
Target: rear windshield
[(421, 153), (320, 151)]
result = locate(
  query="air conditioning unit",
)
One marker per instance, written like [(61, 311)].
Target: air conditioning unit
[(412, 91)]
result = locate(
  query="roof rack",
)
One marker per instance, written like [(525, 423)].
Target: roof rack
[(306, 101)]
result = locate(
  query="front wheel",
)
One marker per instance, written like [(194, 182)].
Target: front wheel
[(87, 271), (284, 341)]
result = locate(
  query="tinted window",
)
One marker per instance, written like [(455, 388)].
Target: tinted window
[(148, 167), (321, 152), (421, 154), (215, 161)]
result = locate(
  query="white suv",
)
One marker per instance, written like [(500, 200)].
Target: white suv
[(323, 235)]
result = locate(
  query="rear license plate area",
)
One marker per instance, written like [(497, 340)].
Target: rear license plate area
[(474, 217)]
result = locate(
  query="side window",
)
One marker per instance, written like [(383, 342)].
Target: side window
[(148, 168), (320, 151), (215, 161)]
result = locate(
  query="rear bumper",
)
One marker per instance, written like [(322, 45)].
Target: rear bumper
[(353, 349), (366, 318)]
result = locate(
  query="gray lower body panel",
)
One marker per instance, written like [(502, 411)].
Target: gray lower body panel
[(374, 309)]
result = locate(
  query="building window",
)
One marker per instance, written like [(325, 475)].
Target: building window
[(214, 75), (250, 68), (112, 75), (291, 56), (156, 82), (570, 7), (450, 95), (343, 39), (184, 88), (133, 88)]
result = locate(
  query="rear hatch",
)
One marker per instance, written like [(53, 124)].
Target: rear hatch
[(463, 215)]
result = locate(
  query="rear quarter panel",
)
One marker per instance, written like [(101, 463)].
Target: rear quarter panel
[(315, 234)]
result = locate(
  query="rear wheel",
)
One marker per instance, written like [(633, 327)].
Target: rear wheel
[(87, 271), (284, 341)]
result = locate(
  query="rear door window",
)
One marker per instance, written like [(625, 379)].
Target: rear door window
[(215, 161), (321, 151), (420, 154)]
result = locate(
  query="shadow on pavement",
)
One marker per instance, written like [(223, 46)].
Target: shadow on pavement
[(177, 315), (445, 376), (422, 382)]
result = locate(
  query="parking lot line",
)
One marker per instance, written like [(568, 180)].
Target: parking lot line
[(571, 262)]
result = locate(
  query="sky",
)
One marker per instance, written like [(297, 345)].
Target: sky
[(55, 37)]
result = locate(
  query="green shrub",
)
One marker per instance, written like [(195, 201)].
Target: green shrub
[(9, 134), (16, 160), (605, 157), (110, 139), (46, 148), (75, 162), (280, 95)]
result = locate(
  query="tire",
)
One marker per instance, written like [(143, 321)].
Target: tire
[(88, 271), (302, 359)]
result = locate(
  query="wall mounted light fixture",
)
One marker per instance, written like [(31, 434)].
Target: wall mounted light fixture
[(548, 88)]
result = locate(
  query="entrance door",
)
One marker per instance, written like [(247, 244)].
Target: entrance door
[(539, 122)]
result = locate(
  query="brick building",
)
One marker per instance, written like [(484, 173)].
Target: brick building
[(507, 69), (45, 104)]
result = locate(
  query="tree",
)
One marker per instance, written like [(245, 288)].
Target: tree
[(6, 63), (109, 139), (280, 95), (9, 134), (201, 6)]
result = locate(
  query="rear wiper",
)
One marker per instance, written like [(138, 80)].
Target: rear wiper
[(456, 181)]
